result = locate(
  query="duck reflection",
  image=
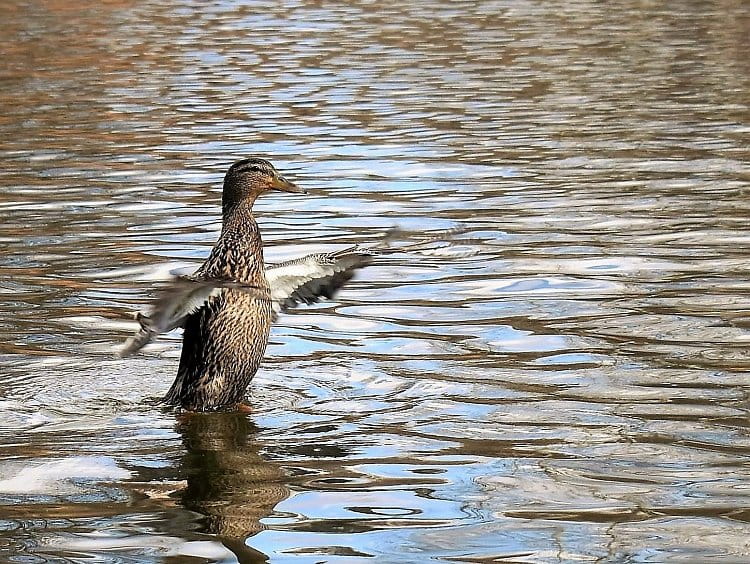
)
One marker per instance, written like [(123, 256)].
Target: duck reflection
[(228, 481)]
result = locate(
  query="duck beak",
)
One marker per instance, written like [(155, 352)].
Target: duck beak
[(281, 183)]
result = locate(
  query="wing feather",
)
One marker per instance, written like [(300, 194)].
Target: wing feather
[(181, 297), (300, 281), (303, 280), (312, 277)]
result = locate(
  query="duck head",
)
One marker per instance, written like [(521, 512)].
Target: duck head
[(249, 178)]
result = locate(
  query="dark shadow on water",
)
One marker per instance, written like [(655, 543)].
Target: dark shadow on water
[(228, 481)]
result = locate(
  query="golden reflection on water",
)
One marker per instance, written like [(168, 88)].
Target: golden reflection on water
[(572, 387), (227, 479)]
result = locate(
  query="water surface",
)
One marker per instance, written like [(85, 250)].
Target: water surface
[(568, 382)]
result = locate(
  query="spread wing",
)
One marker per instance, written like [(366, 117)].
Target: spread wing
[(304, 280), (310, 278), (181, 297)]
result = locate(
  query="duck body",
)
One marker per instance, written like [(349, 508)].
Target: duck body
[(225, 339), (228, 305)]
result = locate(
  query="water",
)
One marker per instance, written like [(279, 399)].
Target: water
[(567, 383)]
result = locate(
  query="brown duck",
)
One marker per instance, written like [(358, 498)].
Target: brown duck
[(228, 305)]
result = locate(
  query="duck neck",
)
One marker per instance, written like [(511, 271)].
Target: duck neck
[(231, 207), (243, 245)]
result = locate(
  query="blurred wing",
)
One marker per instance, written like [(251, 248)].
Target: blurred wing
[(304, 280), (310, 278), (183, 296)]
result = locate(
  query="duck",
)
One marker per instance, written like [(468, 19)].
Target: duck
[(228, 305)]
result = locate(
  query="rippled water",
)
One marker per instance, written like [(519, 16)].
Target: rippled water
[(568, 383)]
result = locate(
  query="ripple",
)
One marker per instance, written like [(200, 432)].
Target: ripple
[(566, 380)]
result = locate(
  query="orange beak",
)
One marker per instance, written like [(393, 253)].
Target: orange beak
[(281, 183)]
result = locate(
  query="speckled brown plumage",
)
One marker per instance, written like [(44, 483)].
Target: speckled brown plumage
[(227, 306), (224, 340)]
